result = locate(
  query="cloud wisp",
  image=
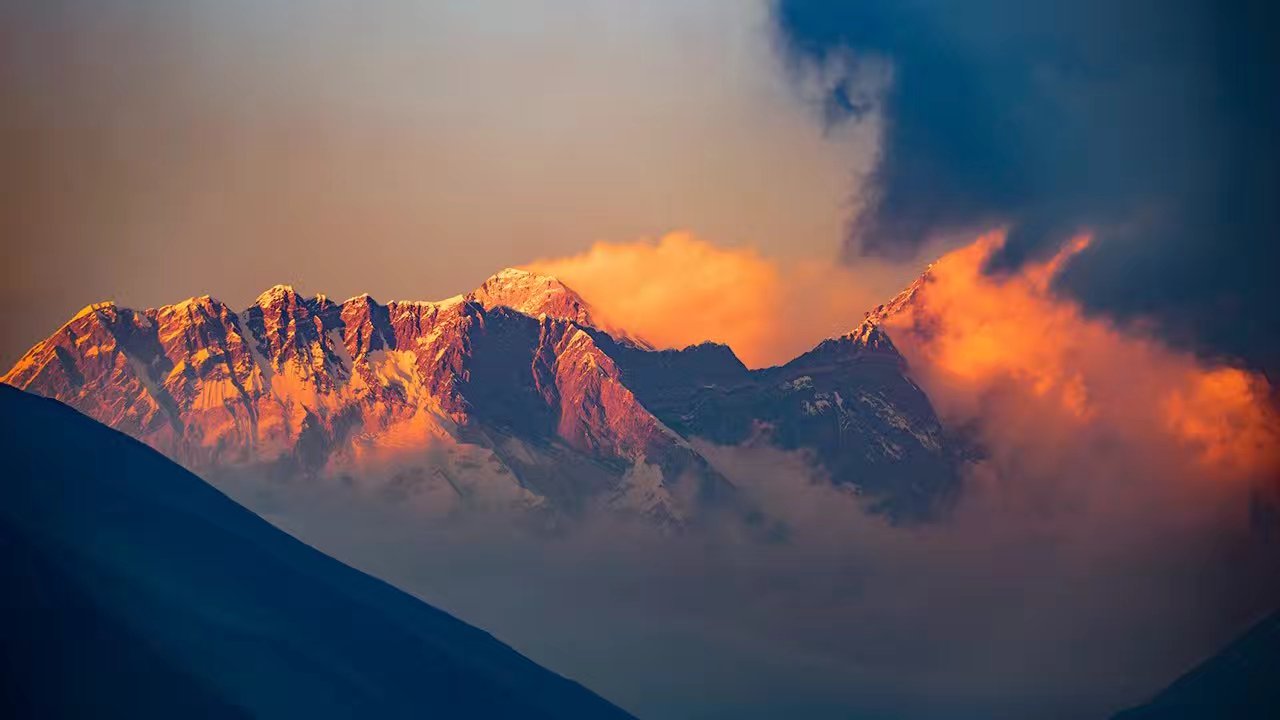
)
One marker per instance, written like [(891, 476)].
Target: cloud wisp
[(682, 290)]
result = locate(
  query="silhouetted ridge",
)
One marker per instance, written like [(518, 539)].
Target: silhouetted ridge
[(133, 589), (1241, 683)]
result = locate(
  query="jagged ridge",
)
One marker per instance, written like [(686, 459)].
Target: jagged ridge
[(515, 382)]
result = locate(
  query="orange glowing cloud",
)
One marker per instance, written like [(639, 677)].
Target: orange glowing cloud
[(1048, 388), (1047, 381), (681, 290), (1223, 413)]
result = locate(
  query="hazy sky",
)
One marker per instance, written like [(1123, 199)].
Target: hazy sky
[(155, 150)]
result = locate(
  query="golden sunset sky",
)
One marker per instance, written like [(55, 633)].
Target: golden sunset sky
[(158, 150)]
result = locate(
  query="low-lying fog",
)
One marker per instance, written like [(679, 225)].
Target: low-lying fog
[(1064, 594)]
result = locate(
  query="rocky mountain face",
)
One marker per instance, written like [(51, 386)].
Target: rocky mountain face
[(848, 403), (512, 394)]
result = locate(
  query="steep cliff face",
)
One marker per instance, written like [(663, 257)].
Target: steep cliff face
[(509, 394)]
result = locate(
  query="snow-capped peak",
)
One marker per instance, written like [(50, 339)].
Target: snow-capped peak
[(521, 274), (274, 293), (93, 308), (903, 300), (532, 294), (870, 335), (362, 299)]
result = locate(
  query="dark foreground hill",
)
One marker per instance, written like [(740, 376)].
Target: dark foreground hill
[(1241, 683), (133, 589)]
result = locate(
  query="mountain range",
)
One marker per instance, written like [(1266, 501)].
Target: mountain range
[(140, 589), (133, 589), (511, 395)]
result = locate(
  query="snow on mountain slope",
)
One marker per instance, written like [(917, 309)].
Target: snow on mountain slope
[(533, 294), (135, 590), (848, 403), (509, 395), (537, 294)]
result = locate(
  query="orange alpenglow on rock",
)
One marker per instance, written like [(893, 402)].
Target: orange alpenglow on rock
[(509, 396)]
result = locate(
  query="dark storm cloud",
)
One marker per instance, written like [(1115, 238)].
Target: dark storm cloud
[(1151, 123)]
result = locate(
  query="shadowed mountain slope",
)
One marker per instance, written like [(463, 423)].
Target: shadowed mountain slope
[(133, 589), (1242, 683)]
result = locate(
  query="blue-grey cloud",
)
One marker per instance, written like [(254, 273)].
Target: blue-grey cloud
[(1150, 122)]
